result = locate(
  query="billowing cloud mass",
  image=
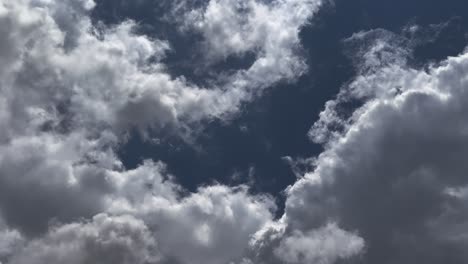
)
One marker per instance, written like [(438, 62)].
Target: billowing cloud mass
[(389, 187), (104, 239), (271, 30), (395, 169), (62, 67), (70, 93)]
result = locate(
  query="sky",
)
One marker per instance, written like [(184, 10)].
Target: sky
[(233, 131)]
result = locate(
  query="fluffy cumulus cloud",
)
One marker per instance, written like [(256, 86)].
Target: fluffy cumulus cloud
[(40, 182), (144, 217), (322, 246), (69, 93), (10, 241), (213, 225), (268, 29), (65, 69), (104, 239), (390, 186), (395, 169)]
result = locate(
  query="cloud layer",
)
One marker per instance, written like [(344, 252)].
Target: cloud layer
[(390, 186), (71, 91)]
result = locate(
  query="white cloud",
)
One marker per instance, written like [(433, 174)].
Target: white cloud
[(236, 27), (68, 91), (50, 177), (53, 56), (387, 172), (213, 225), (105, 239), (322, 246), (269, 30), (10, 242)]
